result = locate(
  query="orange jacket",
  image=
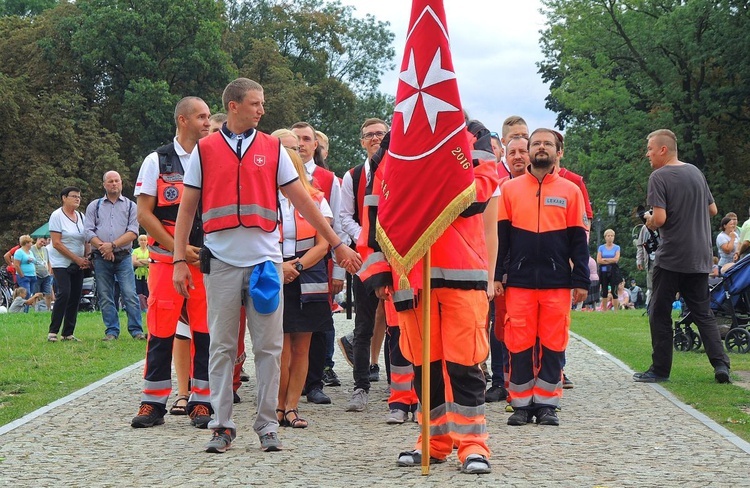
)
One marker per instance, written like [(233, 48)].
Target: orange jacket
[(459, 256), (239, 192), (540, 231)]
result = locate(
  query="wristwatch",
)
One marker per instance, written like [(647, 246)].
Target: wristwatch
[(298, 266)]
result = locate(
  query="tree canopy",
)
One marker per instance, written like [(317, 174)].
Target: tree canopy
[(91, 85), (619, 69)]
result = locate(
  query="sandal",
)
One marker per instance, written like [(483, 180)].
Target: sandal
[(282, 420), (51, 337), (177, 408), (297, 422)]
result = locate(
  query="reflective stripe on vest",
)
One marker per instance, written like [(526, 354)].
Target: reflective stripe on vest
[(239, 192)]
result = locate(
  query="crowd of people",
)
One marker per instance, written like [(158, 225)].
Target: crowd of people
[(263, 240)]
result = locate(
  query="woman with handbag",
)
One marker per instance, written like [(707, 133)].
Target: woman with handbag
[(68, 261)]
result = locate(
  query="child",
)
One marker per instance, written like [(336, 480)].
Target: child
[(20, 303)]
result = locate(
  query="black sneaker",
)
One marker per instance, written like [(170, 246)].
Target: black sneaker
[(200, 416), (236, 398), (330, 378), (244, 377), (318, 397), (495, 394), (547, 416), (521, 417), (567, 384), (649, 376), (347, 349), (721, 374), (374, 373), (148, 416)]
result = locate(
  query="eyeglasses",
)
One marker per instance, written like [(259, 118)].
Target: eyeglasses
[(369, 135), (543, 143), (77, 197)]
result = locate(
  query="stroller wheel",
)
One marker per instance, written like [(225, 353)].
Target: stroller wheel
[(694, 338), (681, 342), (738, 340)]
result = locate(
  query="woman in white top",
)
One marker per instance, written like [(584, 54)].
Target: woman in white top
[(306, 307), (68, 260), (728, 241)]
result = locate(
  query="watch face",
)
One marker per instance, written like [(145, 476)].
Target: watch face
[(298, 266)]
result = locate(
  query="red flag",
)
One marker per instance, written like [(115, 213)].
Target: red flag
[(429, 178)]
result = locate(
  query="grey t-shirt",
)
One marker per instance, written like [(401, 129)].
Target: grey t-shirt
[(686, 245)]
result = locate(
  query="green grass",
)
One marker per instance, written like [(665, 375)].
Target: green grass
[(35, 372), (626, 336)]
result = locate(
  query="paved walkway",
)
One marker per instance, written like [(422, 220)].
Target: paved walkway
[(613, 433)]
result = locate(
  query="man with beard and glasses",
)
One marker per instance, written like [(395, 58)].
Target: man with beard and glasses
[(541, 231)]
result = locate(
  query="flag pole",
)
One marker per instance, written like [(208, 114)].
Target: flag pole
[(426, 292)]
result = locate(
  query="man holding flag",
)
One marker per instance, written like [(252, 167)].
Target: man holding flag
[(430, 198)]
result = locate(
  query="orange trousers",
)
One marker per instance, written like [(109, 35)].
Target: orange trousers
[(164, 309), (536, 335), (458, 343)]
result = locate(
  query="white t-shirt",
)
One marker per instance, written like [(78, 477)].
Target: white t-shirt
[(726, 257), (149, 172), (242, 246), (290, 225), (73, 237)]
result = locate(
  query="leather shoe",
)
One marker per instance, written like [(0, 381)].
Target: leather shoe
[(318, 397), (140, 336), (721, 373), (109, 337)]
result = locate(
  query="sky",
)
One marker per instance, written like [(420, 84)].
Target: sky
[(495, 48)]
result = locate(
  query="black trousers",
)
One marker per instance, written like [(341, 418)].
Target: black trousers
[(693, 288), (66, 300), (364, 324)]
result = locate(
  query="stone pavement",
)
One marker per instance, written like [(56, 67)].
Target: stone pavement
[(613, 433)]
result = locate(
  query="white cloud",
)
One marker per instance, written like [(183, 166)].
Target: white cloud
[(495, 47)]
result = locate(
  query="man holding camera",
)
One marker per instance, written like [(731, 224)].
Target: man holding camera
[(682, 206), (111, 228)]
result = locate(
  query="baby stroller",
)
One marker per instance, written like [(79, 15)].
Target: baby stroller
[(730, 302), (88, 302)]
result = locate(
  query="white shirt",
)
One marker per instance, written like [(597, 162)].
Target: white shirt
[(289, 244), (349, 204), (242, 246), (335, 203), (72, 236), (149, 172)]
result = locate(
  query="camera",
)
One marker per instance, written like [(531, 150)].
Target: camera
[(652, 238)]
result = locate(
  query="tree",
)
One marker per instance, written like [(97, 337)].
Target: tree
[(25, 8), (323, 70), (139, 58), (619, 69)]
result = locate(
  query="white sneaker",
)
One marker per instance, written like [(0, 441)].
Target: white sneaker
[(396, 416), (358, 402)]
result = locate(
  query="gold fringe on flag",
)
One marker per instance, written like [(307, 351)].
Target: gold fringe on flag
[(403, 264)]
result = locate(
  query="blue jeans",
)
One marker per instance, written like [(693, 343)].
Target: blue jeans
[(105, 289)]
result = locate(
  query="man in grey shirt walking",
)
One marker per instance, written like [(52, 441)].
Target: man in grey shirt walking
[(682, 207), (111, 227)]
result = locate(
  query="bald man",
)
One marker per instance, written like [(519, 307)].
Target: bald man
[(111, 226)]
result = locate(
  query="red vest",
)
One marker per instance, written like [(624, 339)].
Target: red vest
[(239, 192), (323, 181), (359, 187)]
